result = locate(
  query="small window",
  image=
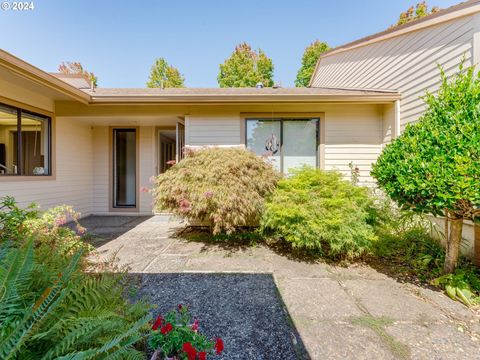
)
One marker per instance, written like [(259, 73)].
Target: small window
[(25, 142)]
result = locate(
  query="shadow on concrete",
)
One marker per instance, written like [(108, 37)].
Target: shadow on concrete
[(245, 310), (244, 239), (103, 229)]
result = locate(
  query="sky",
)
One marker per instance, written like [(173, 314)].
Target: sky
[(119, 40)]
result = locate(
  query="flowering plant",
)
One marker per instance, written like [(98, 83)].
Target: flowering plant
[(50, 230), (176, 337)]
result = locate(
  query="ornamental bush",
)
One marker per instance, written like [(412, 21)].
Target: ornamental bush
[(224, 187), (50, 306), (318, 210), (434, 166)]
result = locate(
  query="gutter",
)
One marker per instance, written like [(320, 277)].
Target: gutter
[(208, 99)]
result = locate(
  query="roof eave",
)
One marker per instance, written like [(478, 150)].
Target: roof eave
[(30, 72), (119, 100), (464, 9)]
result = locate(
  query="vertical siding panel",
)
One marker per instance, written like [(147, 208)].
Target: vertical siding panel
[(147, 165)]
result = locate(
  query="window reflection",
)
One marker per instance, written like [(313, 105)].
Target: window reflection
[(24, 142), (286, 143)]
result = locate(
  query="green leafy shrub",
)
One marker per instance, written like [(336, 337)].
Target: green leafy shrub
[(463, 285), (225, 187), (12, 218), (406, 246), (433, 167), (318, 210), (50, 306)]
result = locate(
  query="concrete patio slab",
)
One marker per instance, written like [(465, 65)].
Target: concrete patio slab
[(381, 298), (327, 340), (351, 312), (436, 341), (317, 299)]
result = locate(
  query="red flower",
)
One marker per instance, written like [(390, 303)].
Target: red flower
[(157, 322), (166, 329), (202, 355), (180, 307), (195, 325), (190, 350), (218, 346)]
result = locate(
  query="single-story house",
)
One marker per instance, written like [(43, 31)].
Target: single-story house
[(64, 142)]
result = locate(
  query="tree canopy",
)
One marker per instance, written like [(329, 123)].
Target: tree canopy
[(163, 75), (75, 67), (417, 12), (434, 166), (245, 68), (309, 61)]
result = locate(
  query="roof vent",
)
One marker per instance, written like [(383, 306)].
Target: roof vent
[(259, 85), (277, 85)]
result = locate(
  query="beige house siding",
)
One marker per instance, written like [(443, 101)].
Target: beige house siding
[(102, 168), (73, 182), (147, 166), (213, 130), (406, 63), (353, 133)]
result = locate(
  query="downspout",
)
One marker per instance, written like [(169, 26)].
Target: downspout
[(396, 125), (476, 42)]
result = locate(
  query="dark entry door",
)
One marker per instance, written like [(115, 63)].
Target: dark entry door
[(125, 168)]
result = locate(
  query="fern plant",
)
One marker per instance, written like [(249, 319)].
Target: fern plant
[(50, 308)]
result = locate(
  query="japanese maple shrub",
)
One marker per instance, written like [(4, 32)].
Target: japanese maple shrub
[(225, 187), (434, 166), (320, 211)]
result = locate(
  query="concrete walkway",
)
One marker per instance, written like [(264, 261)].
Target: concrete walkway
[(339, 313)]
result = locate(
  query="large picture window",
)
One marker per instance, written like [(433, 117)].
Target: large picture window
[(286, 143), (25, 142)]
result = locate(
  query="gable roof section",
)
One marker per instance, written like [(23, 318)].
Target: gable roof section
[(76, 80), (453, 12), (40, 77), (75, 87)]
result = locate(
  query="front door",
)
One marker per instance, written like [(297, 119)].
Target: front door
[(124, 168)]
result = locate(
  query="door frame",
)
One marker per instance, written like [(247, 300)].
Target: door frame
[(111, 171), (158, 131), (179, 150)]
